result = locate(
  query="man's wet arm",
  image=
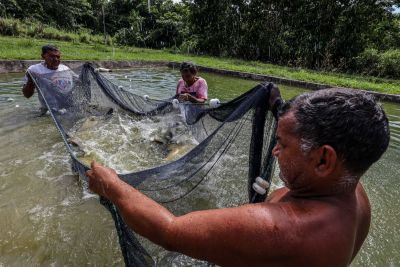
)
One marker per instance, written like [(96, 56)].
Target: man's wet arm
[(238, 234)]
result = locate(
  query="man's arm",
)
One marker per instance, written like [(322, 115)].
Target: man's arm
[(29, 88), (232, 236)]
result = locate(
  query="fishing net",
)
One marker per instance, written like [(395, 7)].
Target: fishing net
[(187, 156)]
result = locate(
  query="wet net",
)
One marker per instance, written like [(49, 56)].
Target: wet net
[(187, 156)]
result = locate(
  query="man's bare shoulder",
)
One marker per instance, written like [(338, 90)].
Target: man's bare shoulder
[(307, 224)]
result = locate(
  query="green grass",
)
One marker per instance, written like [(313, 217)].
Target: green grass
[(24, 48), (34, 29)]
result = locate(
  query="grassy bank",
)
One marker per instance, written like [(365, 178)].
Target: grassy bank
[(24, 48), (34, 29)]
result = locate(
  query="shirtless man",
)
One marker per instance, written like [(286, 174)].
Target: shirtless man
[(326, 140)]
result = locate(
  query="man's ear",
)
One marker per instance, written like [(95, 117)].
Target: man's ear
[(326, 160)]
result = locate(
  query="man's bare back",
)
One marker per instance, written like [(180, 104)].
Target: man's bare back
[(329, 230)]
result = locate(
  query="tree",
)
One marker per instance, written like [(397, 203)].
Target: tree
[(162, 27)]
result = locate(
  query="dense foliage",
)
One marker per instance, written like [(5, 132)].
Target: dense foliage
[(361, 36)]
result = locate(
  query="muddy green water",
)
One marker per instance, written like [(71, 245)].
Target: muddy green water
[(47, 218)]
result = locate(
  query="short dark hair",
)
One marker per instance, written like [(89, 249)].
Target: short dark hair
[(188, 66), (350, 121), (49, 47)]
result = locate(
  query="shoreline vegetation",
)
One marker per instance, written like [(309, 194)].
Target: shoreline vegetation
[(24, 48)]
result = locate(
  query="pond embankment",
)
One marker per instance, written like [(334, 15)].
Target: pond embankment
[(7, 66)]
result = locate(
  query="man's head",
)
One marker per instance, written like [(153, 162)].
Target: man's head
[(51, 56), (188, 71), (333, 128)]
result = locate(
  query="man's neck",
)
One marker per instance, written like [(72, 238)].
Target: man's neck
[(343, 186), (48, 67)]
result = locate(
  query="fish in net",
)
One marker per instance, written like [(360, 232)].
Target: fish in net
[(187, 156)]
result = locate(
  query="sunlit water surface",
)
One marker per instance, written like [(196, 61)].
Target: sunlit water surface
[(49, 218)]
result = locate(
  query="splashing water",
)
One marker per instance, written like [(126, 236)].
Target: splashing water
[(127, 144), (47, 219)]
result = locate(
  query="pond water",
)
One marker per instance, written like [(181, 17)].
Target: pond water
[(47, 218)]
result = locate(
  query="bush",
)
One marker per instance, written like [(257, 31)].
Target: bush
[(367, 62), (35, 29), (109, 40), (9, 27), (84, 38), (55, 34), (128, 37), (390, 63), (382, 64), (189, 46)]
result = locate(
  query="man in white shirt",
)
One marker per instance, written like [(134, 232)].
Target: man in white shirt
[(59, 74)]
